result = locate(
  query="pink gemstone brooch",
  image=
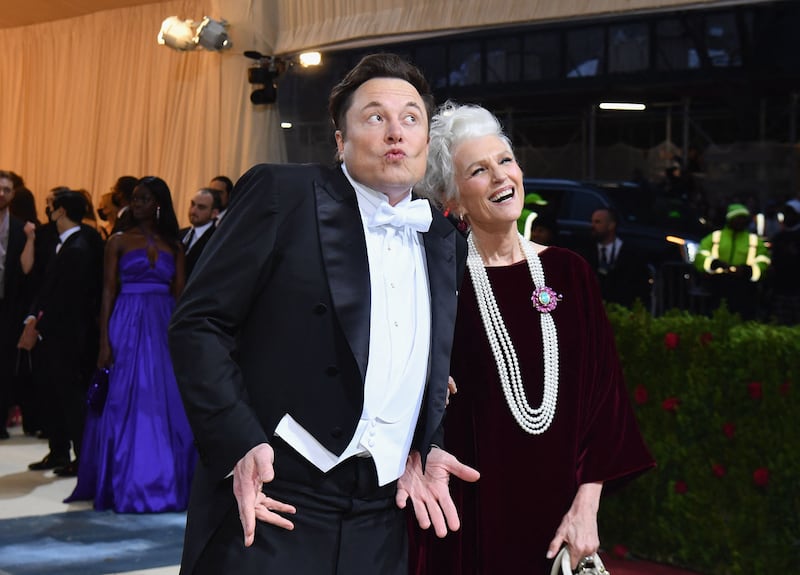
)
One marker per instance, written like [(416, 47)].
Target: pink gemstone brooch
[(545, 299)]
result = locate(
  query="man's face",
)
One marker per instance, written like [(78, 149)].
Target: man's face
[(602, 226), (223, 191), (739, 223), (48, 208), (6, 193), (201, 209), (385, 142)]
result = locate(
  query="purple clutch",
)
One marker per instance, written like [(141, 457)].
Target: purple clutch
[(98, 390)]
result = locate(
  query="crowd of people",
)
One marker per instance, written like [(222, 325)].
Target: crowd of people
[(297, 383), (82, 297)]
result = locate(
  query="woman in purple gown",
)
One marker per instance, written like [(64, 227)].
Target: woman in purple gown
[(139, 455), (541, 410)]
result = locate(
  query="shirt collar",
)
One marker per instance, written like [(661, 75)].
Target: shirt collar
[(63, 236), (369, 199)]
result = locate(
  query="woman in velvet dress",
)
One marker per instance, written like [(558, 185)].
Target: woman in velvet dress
[(541, 410), (138, 454)]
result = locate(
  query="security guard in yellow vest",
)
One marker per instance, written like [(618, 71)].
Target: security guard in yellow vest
[(734, 261)]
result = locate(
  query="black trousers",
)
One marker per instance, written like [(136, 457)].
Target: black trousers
[(345, 525)]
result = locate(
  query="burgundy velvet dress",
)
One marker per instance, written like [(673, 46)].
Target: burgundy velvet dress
[(527, 481)]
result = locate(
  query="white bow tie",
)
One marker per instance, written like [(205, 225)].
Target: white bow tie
[(415, 215)]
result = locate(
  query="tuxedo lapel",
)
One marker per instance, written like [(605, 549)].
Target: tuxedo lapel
[(344, 253), (440, 252)]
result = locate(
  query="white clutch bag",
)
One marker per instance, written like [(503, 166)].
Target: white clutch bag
[(591, 565)]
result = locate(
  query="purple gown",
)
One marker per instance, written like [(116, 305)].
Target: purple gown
[(528, 482), (138, 456)]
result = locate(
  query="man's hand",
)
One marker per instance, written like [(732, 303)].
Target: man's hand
[(429, 491), (250, 473), (30, 335)]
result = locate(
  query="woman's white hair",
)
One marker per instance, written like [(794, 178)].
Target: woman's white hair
[(452, 124)]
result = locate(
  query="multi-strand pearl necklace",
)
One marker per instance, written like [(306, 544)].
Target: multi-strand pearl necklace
[(533, 421)]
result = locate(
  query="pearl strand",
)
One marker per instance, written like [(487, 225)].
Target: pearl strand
[(534, 421)]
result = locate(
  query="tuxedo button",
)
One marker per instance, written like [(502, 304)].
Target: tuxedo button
[(336, 432), (320, 309), (332, 370)]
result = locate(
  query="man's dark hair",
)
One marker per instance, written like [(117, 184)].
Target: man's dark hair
[(376, 66), (73, 202), (612, 214), (124, 186), (216, 197), (225, 180)]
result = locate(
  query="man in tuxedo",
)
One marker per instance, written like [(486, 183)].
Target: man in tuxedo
[(203, 210), (121, 193), (312, 349), (12, 240), (62, 330), (224, 186), (623, 274)]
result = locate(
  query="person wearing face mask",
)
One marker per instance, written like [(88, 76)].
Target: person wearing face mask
[(733, 262), (60, 329), (542, 410)]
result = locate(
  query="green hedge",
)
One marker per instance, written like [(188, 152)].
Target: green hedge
[(719, 406)]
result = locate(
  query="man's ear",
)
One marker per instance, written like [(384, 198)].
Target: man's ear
[(339, 143)]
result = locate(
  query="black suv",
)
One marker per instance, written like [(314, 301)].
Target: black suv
[(663, 230)]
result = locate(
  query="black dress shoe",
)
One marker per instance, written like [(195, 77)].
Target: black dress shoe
[(69, 470), (50, 461)]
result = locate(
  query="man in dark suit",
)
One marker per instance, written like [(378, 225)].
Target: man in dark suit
[(623, 274), (62, 330), (312, 349), (224, 185), (12, 240), (121, 193), (203, 210)]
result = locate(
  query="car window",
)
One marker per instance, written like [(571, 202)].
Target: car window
[(584, 204)]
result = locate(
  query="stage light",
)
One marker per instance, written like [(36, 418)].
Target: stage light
[(310, 59), (177, 34), (213, 34)]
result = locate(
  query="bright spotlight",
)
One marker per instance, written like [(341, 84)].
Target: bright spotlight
[(310, 59), (177, 34)]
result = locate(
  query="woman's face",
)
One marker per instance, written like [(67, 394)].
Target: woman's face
[(143, 204), (489, 183)]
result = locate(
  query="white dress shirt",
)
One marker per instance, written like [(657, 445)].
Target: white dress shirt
[(399, 349)]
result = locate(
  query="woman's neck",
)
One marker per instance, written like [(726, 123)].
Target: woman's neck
[(498, 248)]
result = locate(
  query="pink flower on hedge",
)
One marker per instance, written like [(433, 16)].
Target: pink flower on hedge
[(681, 487), (729, 430), (640, 395), (671, 340), (671, 404), (706, 338), (754, 389), (761, 476), (619, 550), (718, 470), (783, 388)]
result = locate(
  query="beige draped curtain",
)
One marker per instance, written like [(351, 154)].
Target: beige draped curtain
[(87, 99)]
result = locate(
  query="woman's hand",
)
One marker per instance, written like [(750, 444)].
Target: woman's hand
[(578, 528), (105, 359)]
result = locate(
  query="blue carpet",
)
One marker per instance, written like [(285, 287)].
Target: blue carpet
[(90, 543)]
